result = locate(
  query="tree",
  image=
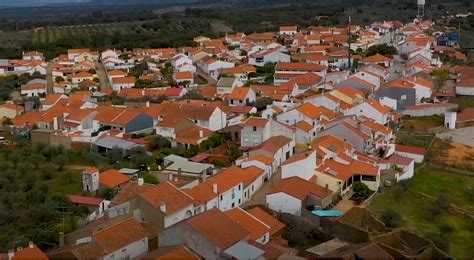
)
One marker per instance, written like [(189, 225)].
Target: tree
[(115, 154), (58, 79), (361, 190), (139, 156), (159, 142), (262, 103), (390, 217), (382, 49), (60, 161)]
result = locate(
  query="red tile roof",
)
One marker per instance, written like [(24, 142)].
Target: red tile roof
[(378, 106), (174, 198), (184, 75), (256, 121), (113, 178), (377, 58), (410, 149), (180, 252), (124, 80), (274, 224), (240, 93), (85, 200), (299, 188), (223, 232), (30, 253), (291, 66), (119, 235), (254, 226)]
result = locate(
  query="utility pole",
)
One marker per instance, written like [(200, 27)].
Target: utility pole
[(63, 213), (349, 43)]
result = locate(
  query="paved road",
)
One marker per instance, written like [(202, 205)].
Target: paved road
[(258, 197), (104, 80), (49, 78)]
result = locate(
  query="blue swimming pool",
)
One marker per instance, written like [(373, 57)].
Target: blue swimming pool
[(327, 213)]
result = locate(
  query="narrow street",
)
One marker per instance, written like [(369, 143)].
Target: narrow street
[(210, 80), (258, 198), (49, 78), (102, 75)]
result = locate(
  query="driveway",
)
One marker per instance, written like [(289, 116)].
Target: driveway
[(462, 135), (258, 198)]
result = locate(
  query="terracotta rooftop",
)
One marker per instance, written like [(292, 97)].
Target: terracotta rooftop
[(254, 226), (299, 188), (224, 232), (29, 253), (274, 224), (113, 178), (119, 235), (174, 198)]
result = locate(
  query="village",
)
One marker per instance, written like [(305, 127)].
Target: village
[(264, 140)]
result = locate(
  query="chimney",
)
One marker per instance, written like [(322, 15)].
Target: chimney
[(163, 207), (140, 181), (204, 175), (201, 133), (214, 188), (30, 244), (147, 104), (143, 92), (170, 176), (179, 171), (175, 179), (11, 254)]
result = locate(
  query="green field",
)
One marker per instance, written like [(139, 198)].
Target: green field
[(413, 208), (64, 182)]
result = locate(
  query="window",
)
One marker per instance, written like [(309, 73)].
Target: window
[(221, 197), (368, 178), (240, 187), (264, 238), (233, 204), (255, 129), (239, 201), (403, 97)]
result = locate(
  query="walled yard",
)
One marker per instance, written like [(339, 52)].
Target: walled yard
[(421, 196)]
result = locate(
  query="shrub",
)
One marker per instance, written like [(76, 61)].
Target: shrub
[(361, 190), (390, 217), (431, 212), (442, 201), (445, 230), (149, 178)]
